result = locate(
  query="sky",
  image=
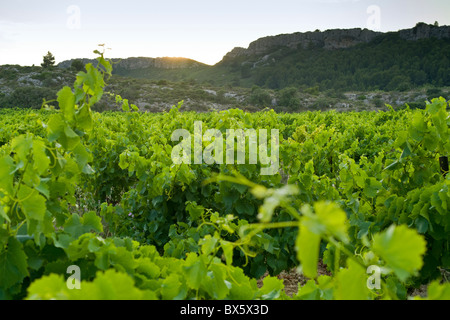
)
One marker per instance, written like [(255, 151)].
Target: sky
[(203, 30)]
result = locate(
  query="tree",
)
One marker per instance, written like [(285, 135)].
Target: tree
[(49, 60), (77, 65)]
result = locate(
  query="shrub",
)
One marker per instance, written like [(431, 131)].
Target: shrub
[(28, 97), (77, 65), (288, 97), (434, 93), (260, 97)]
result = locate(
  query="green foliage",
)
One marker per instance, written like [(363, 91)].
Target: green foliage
[(27, 97), (402, 249), (260, 97), (364, 67), (288, 97), (77, 65), (48, 60), (355, 190)]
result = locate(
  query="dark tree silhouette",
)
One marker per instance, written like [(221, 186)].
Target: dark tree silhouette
[(49, 60)]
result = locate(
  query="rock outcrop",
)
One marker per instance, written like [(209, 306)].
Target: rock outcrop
[(329, 39), (333, 39), (425, 31)]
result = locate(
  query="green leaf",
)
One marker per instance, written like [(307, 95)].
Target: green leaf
[(32, 203), (76, 226), (310, 291), (84, 118), (436, 105), (215, 283), (371, 188), (227, 248), (6, 174), (22, 146), (208, 244), (13, 264), (406, 151), (3, 215), (272, 288), (82, 156), (66, 100), (351, 283), (195, 270), (70, 133), (328, 219), (125, 105), (195, 211), (55, 127), (41, 161), (106, 64), (401, 248), (62, 241), (308, 246), (147, 267), (417, 127), (172, 288), (51, 287), (322, 290), (123, 260)]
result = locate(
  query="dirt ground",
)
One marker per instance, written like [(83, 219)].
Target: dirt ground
[(293, 278)]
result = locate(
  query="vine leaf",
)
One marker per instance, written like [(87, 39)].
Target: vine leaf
[(401, 248)]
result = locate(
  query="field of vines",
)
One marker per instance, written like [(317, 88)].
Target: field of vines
[(367, 194)]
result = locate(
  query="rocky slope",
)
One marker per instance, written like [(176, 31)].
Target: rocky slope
[(425, 31), (333, 39), (330, 39)]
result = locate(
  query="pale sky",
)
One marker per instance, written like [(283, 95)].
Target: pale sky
[(203, 30)]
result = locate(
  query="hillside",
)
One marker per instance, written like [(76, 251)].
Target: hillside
[(25, 87), (350, 59), (345, 60), (344, 70)]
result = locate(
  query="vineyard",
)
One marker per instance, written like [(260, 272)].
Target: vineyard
[(367, 194)]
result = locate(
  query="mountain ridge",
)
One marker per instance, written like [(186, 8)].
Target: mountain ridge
[(329, 39), (334, 39), (337, 59), (133, 63)]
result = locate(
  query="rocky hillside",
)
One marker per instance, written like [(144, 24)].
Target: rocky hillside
[(333, 39), (425, 31), (338, 59), (352, 69), (27, 87), (330, 39)]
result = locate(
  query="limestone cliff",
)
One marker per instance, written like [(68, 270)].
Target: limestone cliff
[(424, 31), (333, 39)]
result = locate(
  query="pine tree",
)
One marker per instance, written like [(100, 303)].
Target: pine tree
[(49, 60)]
